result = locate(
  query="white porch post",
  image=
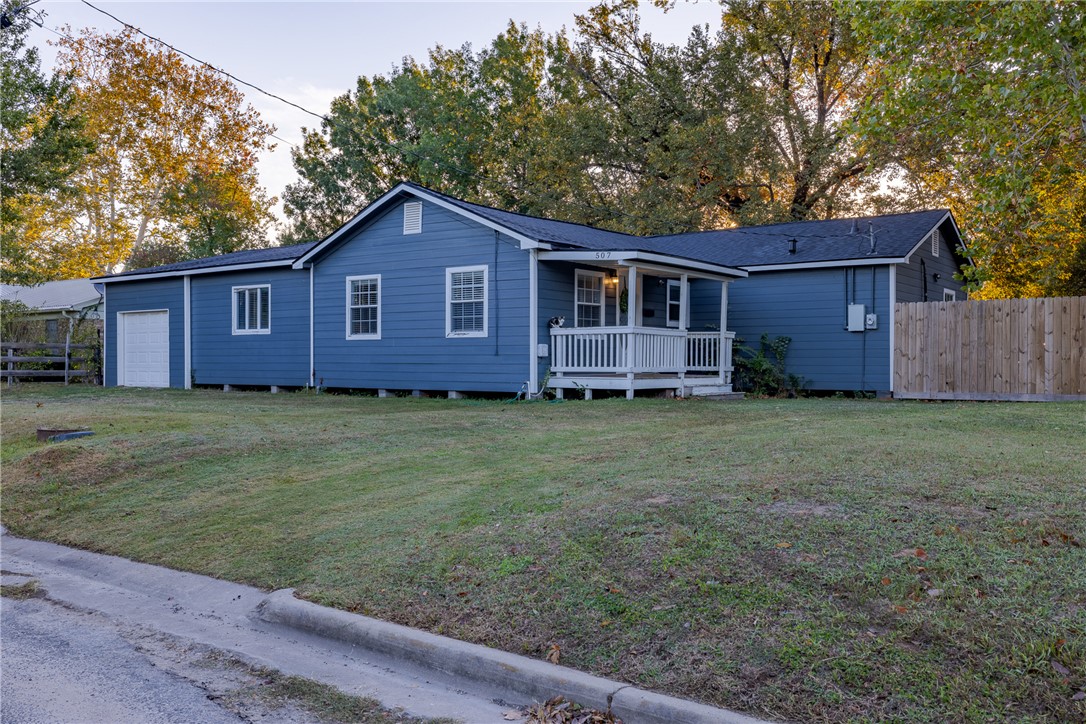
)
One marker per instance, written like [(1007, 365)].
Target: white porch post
[(721, 356), (684, 322), (684, 302), (631, 338)]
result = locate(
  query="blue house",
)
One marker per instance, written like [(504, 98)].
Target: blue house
[(424, 292)]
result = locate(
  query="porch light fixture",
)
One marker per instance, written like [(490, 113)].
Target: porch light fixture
[(612, 277)]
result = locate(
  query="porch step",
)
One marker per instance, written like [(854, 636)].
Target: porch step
[(717, 392)]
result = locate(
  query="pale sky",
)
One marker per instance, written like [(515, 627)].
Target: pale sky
[(311, 52)]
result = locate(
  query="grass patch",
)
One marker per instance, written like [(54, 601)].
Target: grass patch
[(798, 559), (22, 591)]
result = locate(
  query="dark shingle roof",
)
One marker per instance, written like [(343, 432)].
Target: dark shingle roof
[(565, 233), (816, 241), (252, 256), (750, 246)]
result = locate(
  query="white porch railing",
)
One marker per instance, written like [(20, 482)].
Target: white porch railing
[(640, 349)]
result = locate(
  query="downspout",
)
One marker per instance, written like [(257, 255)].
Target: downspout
[(533, 321)]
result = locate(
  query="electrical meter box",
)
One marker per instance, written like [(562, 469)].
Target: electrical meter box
[(856, 317), (871, 321), (542, 350)]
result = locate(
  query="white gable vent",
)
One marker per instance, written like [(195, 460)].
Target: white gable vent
[(412, 217), (936, 242)]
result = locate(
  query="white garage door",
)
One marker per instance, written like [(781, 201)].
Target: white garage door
[(144, 349)]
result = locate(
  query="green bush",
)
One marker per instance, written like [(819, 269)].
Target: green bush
[(761, 371)]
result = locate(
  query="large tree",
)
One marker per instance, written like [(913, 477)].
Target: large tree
[(42, 143), (736, 126), (468, 123), (174, 172), (985, 102)]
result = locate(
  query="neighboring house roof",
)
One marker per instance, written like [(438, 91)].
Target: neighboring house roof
[(275, 255), (817, 243), (73, 295)]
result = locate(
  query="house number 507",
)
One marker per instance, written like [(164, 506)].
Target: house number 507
[(603, 255)]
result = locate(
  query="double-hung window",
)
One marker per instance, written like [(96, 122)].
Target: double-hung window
[(466, 301), (252, 309), (364, 307), (589, 296), (674, 303)]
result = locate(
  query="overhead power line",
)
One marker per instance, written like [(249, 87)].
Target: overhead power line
[(439, 163)]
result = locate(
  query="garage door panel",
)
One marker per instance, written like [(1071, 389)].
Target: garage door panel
[(146, 349)]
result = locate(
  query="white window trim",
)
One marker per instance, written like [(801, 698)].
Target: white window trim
[(603, 296), (677, 322), (413, 206), (449, 271), (364, 277), (950, 295), (234, 308)]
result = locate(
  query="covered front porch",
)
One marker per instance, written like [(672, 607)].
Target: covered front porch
[(631, 327)]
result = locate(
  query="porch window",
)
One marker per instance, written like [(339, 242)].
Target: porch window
[(364, 307), (252, 309), (466, 301), (674, 303), (589, 299)]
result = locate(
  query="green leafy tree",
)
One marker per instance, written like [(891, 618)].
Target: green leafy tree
[(615, 130), (174, 172), (985, 102), (42, 143)]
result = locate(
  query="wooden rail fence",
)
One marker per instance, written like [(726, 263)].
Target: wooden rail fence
[(1003, 349), (24, 361)]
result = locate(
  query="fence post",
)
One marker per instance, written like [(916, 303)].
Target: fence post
[(11, 367)]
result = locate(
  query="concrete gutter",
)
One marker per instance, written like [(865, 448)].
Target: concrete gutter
[(531, 678)]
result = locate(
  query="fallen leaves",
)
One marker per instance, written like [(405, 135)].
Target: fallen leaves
[(784, 544), (560, 711), (554, 653)]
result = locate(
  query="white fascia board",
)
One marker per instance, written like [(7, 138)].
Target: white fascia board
[(927, 233), (192, 272), (824, 264), (629, 257), (690, 264), (525, 241)]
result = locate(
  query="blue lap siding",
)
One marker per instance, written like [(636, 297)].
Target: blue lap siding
[(810, 306), (413, 351), (147, 296), (281, 357)]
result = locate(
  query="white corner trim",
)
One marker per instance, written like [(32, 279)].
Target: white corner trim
[(893, 302), (533, 321), (312, 360), (188, 332)]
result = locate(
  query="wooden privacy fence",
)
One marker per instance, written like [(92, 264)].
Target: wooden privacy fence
[(1002, 349), (49, 362)]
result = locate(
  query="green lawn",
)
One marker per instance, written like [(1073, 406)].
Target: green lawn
[(825, 560)]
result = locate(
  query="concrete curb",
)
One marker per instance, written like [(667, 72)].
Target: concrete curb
[(537, 680)]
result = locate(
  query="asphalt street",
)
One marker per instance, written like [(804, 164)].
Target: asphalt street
[(58, 665)]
